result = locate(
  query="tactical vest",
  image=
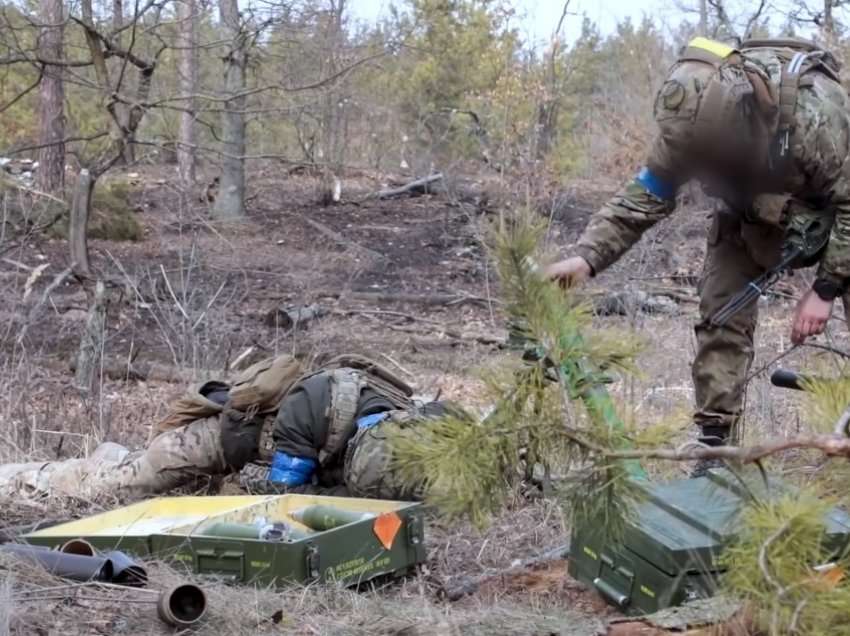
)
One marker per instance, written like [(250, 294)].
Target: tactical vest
[(763, 60), (349, 375), (255, 391)]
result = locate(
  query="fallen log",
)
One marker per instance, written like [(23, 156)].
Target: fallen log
[(405, 297), (122, 369), (416, 187)]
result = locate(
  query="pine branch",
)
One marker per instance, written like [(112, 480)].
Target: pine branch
[(831, 445)]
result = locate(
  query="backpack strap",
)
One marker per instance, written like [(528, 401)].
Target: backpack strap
[(795, 44), (789, 87)]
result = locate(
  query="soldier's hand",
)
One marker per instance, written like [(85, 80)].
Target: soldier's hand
[(569, 272), (810, 317)]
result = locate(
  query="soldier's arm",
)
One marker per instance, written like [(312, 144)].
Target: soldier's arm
[(824, 157), (647, 199)]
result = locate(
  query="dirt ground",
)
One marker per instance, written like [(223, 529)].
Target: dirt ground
[(406, 281)]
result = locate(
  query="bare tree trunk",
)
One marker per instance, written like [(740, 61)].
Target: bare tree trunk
[(51, 158), (703, 17), (828, 23), (78, 230), (333, 109), (186, 156), (91, 343), (117, 17), (129, 151), (230, 203)]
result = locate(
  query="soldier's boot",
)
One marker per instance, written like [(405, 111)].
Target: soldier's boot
[(737, 253), (711, 435)]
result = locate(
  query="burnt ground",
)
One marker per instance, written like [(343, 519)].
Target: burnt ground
[(193, 295)]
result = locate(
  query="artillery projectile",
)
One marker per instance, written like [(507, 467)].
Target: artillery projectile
[(277, 531), (228, 530), (321, 517)]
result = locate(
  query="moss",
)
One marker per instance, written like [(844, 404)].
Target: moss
[(112, 217), (23, 211)]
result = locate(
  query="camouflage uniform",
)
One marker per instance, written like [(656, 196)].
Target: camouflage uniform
[(316, 418), (746, 234), (174, 458)]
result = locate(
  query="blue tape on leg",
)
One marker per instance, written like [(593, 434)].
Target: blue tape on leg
[(290, 470), (655, 185), (368, 421)]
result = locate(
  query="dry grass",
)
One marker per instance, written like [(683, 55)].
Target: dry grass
[(222, 283), (541, 601)]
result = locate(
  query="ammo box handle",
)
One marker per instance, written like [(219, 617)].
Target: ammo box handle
[(611, 593), (312, 562), (230, 563)]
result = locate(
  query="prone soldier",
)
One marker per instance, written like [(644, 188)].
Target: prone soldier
[(325, 432)]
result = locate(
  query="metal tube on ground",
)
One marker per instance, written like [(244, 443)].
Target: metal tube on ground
[(78, 546), (70, 566), (183, 605), (125, 571)]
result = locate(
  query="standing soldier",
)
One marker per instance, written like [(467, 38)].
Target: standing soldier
[(766, 130)]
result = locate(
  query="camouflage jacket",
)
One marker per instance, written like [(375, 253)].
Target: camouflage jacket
[(819, 177)]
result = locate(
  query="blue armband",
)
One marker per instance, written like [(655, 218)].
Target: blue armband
[(655, 185), (368, 421), (290, 470)]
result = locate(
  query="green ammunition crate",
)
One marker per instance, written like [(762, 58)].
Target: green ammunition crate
[(668, 553), (170, 528)]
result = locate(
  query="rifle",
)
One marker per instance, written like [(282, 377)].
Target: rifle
[(754, 289), (786, 379), (806, 237)]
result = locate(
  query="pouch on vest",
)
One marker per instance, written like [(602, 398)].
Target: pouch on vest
[(260, 388), (200, 401), (363, 363), (769, 209)]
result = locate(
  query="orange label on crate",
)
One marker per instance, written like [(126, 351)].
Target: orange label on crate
[(386, 528)]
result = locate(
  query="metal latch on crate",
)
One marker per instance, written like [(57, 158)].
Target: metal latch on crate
[(311, 558)]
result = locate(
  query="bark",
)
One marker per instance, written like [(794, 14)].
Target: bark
[(124, 120), (828, 23), (77, 239), (92, 341), (230, 203), (186, 156), (117, 17), (425, 185), (50, 176), (123, 111), (703, 18), (333, 107)]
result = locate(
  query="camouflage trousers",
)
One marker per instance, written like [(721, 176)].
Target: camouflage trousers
[(738, 252), (174, 458)]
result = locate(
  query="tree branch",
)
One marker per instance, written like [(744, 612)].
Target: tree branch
[(831, 445)]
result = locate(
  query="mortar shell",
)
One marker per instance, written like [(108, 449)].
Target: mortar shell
[(322, 517)]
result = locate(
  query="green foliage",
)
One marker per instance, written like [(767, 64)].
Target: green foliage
[(112, 213), (549, 410), (826, 398), (773, 568), (112, 216)]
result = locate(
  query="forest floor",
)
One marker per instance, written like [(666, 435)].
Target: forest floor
[(406, 281)]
